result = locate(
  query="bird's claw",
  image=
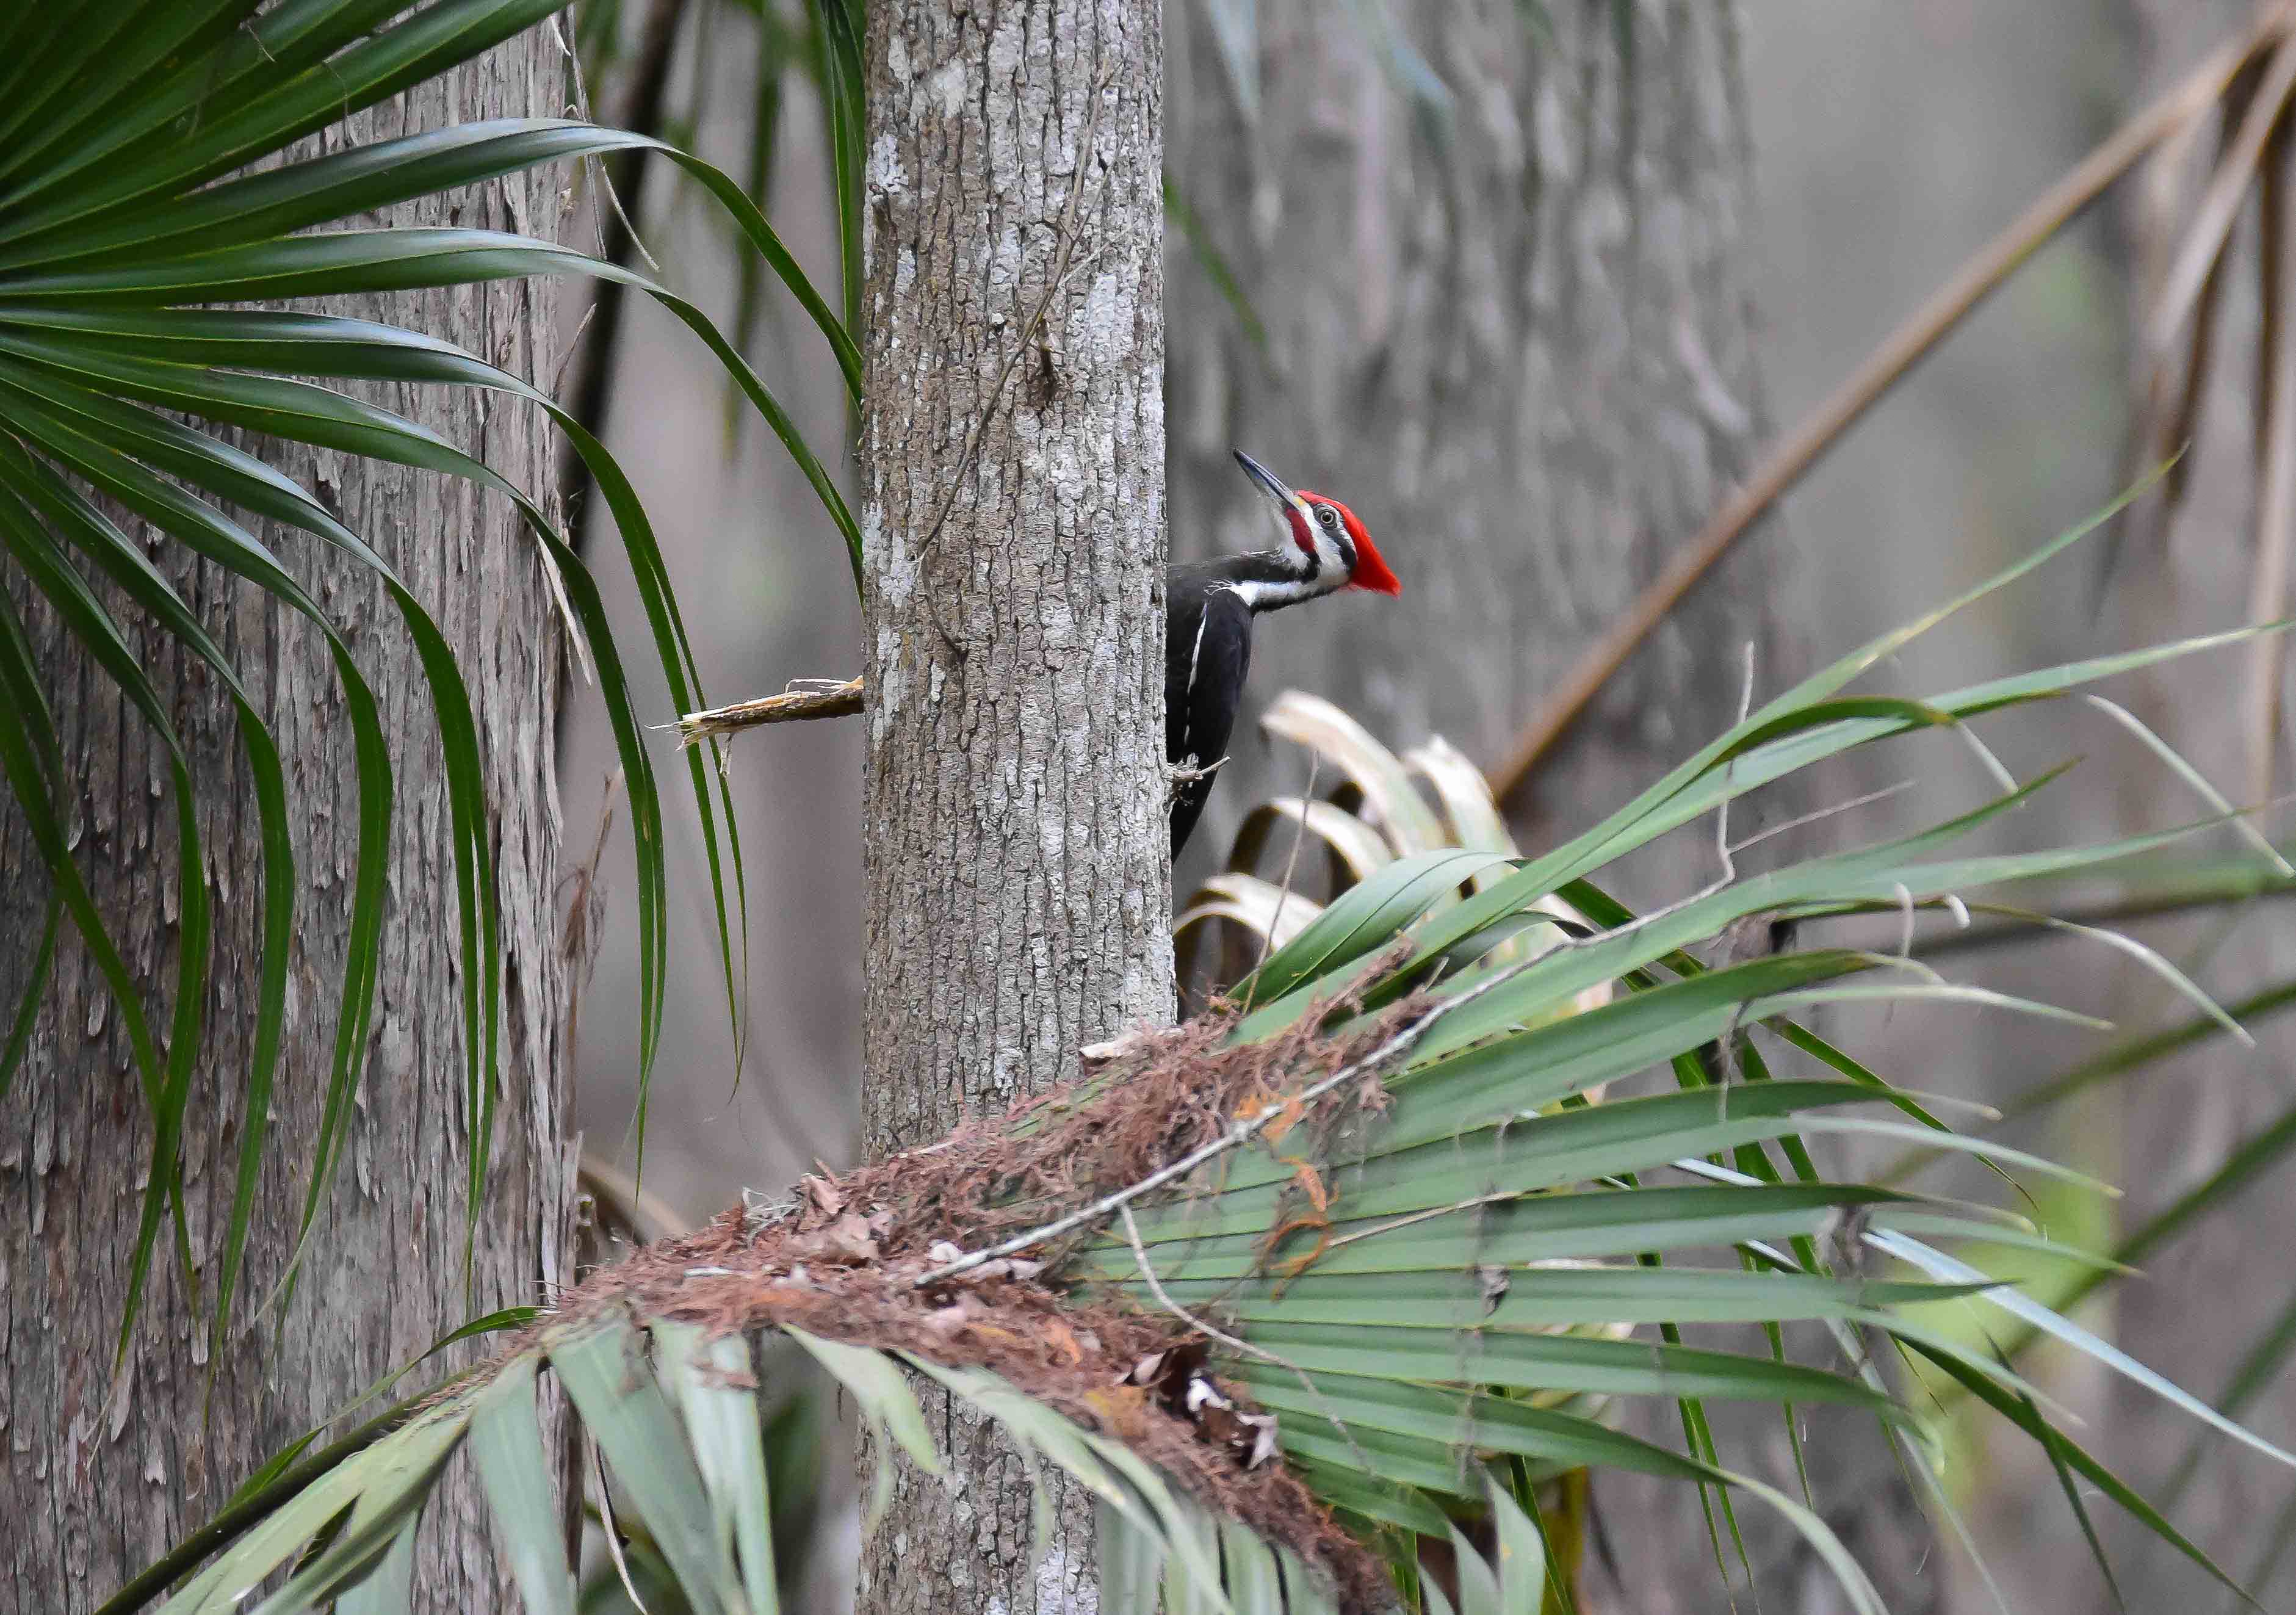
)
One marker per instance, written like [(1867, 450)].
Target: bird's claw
[(1178, 774)]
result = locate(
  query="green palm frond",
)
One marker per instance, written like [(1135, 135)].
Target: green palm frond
[(1390, 1214), (675, 1412), (128, 215)]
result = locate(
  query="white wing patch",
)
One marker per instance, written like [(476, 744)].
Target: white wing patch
[(1195, 656)]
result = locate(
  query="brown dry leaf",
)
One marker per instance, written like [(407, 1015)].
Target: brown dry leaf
[(1063, 1339), (724, 1378), (1306, 1175), (950, 1320), (1297, 1266), (1122, 1408), (1259, 1102), (823, 1200), (782, 1295), (845, 1240)]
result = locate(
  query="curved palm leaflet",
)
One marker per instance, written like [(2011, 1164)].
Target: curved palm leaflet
[(1524, 1201), (128, 224)]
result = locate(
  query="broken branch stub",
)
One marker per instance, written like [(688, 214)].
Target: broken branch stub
[(805, 698)]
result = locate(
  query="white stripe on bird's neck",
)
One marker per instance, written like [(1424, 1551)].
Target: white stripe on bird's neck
[(1264, 594), (1305, 576)]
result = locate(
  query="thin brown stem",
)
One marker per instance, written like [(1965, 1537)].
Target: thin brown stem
[(2204, 242), (2172, 426), (2275, 517), (2271, 244)]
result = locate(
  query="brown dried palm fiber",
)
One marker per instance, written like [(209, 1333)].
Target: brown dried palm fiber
[(844, 1264), (1174, 1092)]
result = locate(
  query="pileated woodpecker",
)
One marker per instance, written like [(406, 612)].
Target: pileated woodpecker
[(1210, 605)]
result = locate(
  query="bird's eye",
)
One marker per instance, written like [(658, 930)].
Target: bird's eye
[(1329, 517)]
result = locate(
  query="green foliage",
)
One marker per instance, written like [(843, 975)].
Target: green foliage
[(1434, 1267), (128, 219)]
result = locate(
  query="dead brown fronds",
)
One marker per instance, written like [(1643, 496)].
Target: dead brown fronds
[(1111, 1367), (1158, 1099)]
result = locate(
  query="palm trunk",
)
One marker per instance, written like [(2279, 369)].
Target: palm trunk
[(98, 1480), (1012, 471)]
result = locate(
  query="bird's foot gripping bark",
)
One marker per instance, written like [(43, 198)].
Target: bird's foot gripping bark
[(1181, 775)]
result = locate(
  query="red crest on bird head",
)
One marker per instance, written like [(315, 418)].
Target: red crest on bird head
[(1371, 569)]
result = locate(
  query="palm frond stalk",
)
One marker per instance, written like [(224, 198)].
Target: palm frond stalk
[(1322, 1293)]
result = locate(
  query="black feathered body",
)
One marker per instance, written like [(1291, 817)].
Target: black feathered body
[(1210, 606)]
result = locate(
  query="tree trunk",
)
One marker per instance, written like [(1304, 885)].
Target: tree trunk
[(98, 1480), (1504, 317), (1017, 896)]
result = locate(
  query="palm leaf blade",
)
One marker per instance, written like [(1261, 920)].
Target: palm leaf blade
[(506, 1444)]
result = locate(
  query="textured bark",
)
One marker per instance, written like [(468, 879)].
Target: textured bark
[(1012, 471), (95, 1483), (1512, 330)]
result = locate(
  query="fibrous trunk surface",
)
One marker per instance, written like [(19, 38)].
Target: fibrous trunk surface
[(96, 1480)]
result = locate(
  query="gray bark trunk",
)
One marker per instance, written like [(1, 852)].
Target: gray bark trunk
[(1017, 896), (1510, 328), (94, 1483)]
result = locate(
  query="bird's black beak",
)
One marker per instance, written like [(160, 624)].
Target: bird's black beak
[(1267, 480)]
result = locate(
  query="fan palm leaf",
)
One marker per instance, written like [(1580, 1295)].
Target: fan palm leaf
[(146, 179)]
